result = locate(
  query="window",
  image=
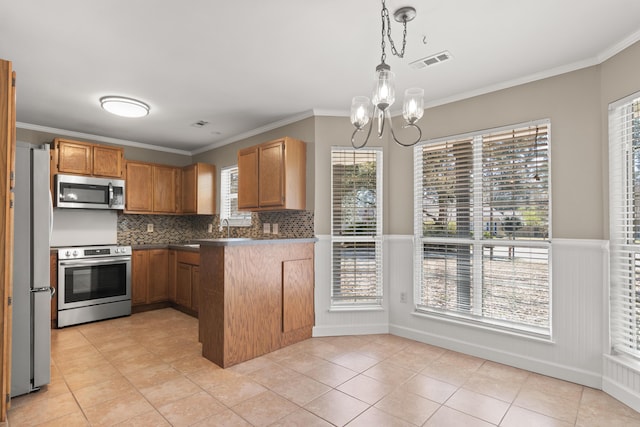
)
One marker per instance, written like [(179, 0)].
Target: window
[(229, 199), (356, 227), (624, 229), (482, 228)]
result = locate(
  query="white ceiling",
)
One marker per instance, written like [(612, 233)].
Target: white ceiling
[(244, 65)]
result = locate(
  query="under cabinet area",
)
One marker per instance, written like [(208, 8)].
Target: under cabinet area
[(272, 176), (84, 158)]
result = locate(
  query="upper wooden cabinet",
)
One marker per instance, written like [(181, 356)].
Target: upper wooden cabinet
[(84, 158), (139, 180), (272, 176), (152, 188), (199, 189), (165, 184)]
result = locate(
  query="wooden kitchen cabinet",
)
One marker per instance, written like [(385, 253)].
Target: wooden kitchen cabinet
[(199, 189), (183, 285), (149, 276), (195, 287), (188, 280), (139, 182), (139, 276), (171, 277), (84, 158), (272, 176), (158, 285), (165, 184), (152, 188)]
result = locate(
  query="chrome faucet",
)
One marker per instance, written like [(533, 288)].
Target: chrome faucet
[(226, 222)]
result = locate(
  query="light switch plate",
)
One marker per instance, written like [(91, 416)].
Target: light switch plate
[(274, 228), (210, 228), (149, 228), (266, 228)]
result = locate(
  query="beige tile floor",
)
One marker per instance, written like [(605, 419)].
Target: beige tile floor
[(146, 370)]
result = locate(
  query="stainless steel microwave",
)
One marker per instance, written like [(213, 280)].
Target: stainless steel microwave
[(86, 192)]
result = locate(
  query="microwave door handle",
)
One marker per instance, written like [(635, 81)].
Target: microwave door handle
[(110, 194)]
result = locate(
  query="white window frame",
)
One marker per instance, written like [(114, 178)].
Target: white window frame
[(624, 243), (476, 242), (236, 219), (359, 302)]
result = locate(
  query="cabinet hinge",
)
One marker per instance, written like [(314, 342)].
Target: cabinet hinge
[(9, 300), (11, 204), (13, 81), (7, 398)]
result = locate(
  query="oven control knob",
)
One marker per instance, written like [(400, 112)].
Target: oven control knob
[(75, 253), (67, 253)]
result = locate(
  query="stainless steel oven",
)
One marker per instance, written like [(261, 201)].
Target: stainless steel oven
[(94, 283)]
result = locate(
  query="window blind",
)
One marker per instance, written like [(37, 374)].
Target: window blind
[(229, 199), (356, 226), (624, 217), (482, 227)]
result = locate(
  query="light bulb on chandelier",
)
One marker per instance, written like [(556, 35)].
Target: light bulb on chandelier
[(365, 110)]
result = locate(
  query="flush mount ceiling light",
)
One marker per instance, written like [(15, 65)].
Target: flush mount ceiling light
[(364, 110), (125, 107)]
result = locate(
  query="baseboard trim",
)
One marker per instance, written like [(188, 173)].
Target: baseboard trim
[(339, 330), (567, 373)]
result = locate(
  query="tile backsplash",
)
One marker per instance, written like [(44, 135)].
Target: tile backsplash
[(132, 229)]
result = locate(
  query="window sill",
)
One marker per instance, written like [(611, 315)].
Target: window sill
[(355, 308), (547, 339)]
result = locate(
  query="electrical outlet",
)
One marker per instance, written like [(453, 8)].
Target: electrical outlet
[(149, 228), (266, 228), (210, 228), (403, 297), (274, 228)]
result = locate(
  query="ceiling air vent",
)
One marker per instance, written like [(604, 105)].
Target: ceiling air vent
[(431, 60), (200, 124)]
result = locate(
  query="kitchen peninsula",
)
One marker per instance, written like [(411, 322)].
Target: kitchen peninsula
[(256, 296)]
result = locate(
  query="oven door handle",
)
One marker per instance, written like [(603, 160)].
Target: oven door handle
[(102, 261)]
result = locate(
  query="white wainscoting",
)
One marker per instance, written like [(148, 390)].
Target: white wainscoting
[(579, 336)]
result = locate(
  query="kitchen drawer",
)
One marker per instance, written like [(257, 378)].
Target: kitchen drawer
[(188, 257)]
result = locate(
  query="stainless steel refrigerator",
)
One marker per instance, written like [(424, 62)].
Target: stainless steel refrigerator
[(31, 305)]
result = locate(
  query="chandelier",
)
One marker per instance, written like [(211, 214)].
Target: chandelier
[(364, 110)]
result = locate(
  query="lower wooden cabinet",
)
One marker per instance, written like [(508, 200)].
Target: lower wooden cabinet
[(149, 276), (165, 275), (187, 279), (183, 284), (139, 276), (158, 289)]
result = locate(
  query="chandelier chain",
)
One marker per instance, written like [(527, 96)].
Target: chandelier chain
[(386, 31)]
